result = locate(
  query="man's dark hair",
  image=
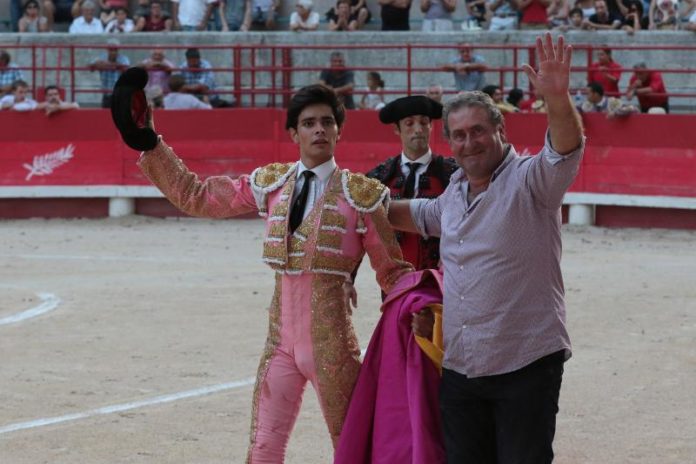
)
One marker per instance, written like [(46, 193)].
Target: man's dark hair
[(515, 96), (50, 87), (176, 82), (314, 95), (192, 53), (490, 90), (575, 11), (596, 87)]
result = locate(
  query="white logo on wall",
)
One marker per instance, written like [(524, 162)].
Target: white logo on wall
[(44, 165)]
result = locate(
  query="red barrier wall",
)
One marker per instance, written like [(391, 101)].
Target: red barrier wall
[(639, 155)]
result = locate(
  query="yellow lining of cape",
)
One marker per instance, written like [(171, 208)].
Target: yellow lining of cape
[(434, 349)]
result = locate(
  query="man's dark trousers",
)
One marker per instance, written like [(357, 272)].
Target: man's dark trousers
[(502, 419)]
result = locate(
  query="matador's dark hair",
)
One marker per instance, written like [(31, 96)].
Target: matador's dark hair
[(314, 95)]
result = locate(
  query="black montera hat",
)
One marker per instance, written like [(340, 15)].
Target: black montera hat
[(410, 106)]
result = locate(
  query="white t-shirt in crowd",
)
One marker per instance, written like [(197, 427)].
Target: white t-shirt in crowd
[(191, 12), (114, 27), (312, 20), (80, 26), (27, 105)]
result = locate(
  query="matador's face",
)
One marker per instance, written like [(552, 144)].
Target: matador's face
[(317, 133)]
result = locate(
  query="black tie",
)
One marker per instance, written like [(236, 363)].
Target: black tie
[(298, 206), (410, 184)]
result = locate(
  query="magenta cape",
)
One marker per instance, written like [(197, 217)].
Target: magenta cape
[(394, 415)]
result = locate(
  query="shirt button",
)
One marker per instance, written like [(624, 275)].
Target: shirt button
[(461, 267), (465, 326), (461, 241), (461, 297)]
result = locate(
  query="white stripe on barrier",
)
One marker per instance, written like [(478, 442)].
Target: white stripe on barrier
[(49, 302)]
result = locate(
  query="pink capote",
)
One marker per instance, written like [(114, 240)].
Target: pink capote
[(394, 416)]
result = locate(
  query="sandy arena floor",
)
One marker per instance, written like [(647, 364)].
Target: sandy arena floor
[(151, 332)]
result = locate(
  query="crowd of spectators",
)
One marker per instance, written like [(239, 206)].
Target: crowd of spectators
[(113, 16)]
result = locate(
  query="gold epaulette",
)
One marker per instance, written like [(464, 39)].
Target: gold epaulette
[(270, 177), (363, 194)]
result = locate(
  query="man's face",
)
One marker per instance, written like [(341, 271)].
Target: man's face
[(52, 96), (157, 55), (603, 57), (88, 13), (193, 62), (337, 62), (465, 53), (497, 96), (112, 53), (20, 94), (343, 9), (155, 10), (121, 16), (642, 75), (302, 11), (576, 19), (316, 134), (476, 144), (592, 96), (601, 8), (414, 132)]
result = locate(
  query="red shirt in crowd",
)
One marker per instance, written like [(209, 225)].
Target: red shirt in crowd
[(648, 100), (534, 13), (596, 74)]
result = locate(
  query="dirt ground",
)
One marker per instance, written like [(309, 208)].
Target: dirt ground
[(153, 329)]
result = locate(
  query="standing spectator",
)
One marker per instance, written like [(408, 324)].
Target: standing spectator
[(155, 20), (373, 99), (602, 19), (8, 73), (395, 14), (575, 21), (605, 71), (263, 14), (235, 15), (340, 79), (32, 21), (199, 79), (158, 70), (496, 94), (476, 13), (533, 13), (634, 19), (663, 15), (87, 23), (504, 15), (648, 87), (53, 104), (121, 23), (179, 99), (340, 18), (191, 15), (504, 328), (303, 18), (110, 65), (468, 69), (18, 99), (558, 13), (437, 14)]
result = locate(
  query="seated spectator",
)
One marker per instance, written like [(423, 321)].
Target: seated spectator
[(575, 21), (533, 14), (374, 98), (468, 69), (476, 13), (155, 20), (648, 87), (340, 79), (235, 15), (18, 100), (395, 14), (8, 73), (587, 7), (663, 15), (605, 71), (304, 19), (597, 102), (496, 94), (435, 92), (263, 14), (602, 19), (53, 104), (558, 13), (358, 9), (60, 11), (158, 70), (199, 79), (32, 21), (110, 64), (191, 15), (179, 99), (108, 9), (691, 25), (503, 15), (634, 19), (87, 23), (437, 14), (687, 10), (121, 23), (340, 18), (515, 97)]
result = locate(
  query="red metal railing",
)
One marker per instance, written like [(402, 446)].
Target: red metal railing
[(252, 74)]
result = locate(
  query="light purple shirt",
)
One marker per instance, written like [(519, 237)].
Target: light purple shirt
[(504, 298)]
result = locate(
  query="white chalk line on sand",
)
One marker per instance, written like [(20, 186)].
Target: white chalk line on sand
[(84, 257), (128, 406), (134, 405), (49, 302)]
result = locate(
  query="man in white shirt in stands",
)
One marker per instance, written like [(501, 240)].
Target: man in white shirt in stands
[(304, 19), (87, 23), (177, 100), (18, 100)]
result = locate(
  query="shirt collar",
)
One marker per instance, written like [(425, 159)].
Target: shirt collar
[(424, 160), (323, 171)]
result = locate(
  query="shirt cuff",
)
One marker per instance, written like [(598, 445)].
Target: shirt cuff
[(553, 157)]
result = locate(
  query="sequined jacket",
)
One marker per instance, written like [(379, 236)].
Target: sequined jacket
[(346, 222), (423, 253)]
